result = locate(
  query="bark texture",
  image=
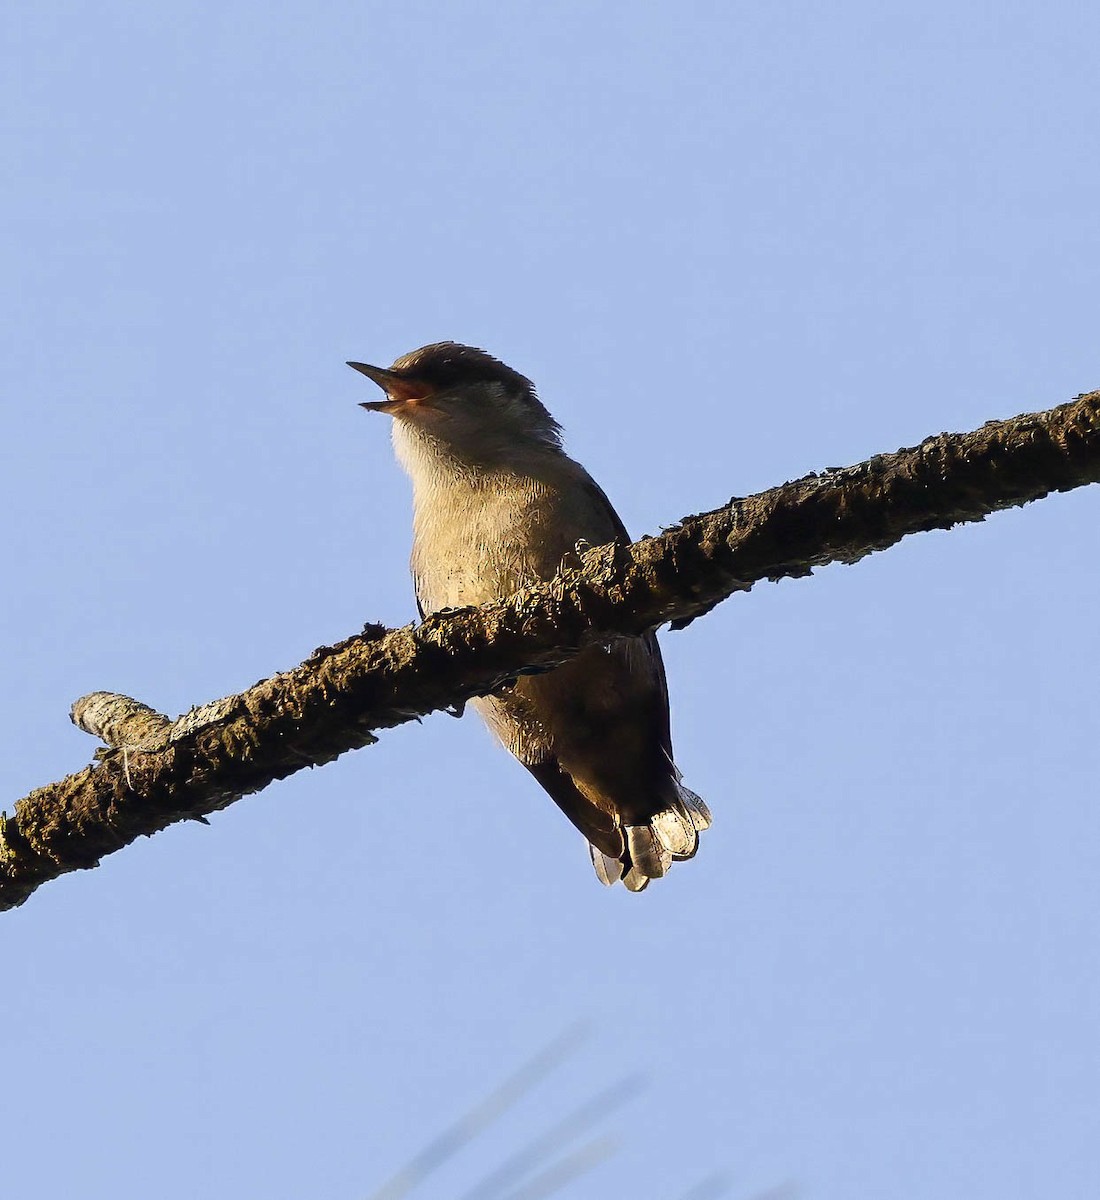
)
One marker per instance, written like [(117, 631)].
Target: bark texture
[(156, 771)]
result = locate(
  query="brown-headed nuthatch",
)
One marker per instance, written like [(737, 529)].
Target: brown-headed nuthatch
[(498, 505)]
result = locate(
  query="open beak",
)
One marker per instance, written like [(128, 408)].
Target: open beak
[(399, 389)]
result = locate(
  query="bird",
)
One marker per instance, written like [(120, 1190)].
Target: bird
[(498, 506)]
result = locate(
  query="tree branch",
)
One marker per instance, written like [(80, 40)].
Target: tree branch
[(156, 771)]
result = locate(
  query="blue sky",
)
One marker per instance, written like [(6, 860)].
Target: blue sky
[(731, 244)]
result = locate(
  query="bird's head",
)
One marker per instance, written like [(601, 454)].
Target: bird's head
[(468, 402)]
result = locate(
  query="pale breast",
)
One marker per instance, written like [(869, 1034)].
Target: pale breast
[(472, 545), (482, 531)]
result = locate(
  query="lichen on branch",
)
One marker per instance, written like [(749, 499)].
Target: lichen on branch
[(155, 771)]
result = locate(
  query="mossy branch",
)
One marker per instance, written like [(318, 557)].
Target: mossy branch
[(156, 771)]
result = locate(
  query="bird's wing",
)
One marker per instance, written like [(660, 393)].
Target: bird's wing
[(652, 656), (598, 826)]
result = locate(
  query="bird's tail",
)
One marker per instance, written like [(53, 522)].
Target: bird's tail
[(652, 846)]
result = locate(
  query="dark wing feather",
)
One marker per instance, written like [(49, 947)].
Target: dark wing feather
[(599, 498), (599, 827)]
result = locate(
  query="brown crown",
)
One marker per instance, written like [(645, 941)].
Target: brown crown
[(444, 364)]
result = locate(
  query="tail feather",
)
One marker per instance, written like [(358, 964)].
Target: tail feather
[(645, 852), (696, 809), (676, 832), (608, 870), (671, 835), (635, 881)]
